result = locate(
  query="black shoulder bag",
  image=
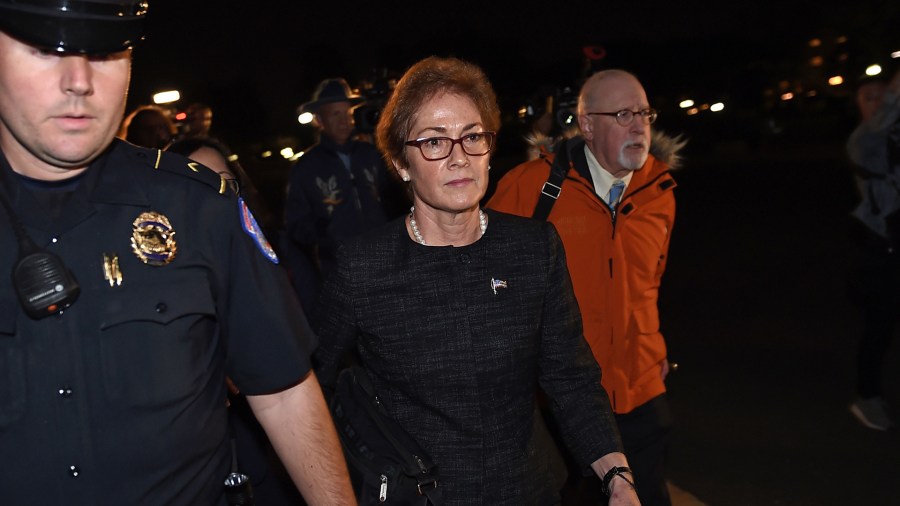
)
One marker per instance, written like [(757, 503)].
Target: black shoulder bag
[(387, 465), (553, 187)]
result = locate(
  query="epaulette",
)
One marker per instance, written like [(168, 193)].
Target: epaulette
[(175, 163)]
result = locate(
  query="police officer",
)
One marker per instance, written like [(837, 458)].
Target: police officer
[(139, 282)]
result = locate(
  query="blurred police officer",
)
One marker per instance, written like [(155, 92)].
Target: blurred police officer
[(140, 281)]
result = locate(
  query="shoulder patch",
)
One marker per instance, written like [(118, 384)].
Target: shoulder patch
[(249, 224)]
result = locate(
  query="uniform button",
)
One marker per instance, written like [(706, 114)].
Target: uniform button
[(465, 258), (161, 307), (65, 392), (74, 471)]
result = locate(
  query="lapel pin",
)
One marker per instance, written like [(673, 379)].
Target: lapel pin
[(497, 283)]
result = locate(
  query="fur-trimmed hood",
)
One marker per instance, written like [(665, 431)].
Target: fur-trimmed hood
[(663, 147)]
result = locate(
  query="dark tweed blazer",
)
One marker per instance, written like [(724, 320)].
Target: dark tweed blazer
[(457, 340)]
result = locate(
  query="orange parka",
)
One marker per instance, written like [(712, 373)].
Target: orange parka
[(616, 266)]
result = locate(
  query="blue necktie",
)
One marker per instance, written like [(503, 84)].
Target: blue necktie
[(615, 192)]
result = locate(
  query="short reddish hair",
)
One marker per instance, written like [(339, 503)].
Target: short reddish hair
[(424, 80)]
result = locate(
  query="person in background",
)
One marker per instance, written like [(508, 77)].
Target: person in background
[(335, 189), (459, 314), (149, 126), (615, 212), (140, 284), (874, 148), (215, 155), (198, 121)]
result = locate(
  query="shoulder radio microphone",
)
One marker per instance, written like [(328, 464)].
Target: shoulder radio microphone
[(44, 285)]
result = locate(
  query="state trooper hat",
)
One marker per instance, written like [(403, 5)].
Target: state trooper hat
[(330, 91), (79, 26)]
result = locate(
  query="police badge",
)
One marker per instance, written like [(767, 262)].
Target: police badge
[(153, 239)]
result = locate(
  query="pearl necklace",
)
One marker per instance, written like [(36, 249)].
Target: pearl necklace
[(482, 222)]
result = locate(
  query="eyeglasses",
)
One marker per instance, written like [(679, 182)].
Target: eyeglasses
[(438, 148), (231, 182), (625, 117)]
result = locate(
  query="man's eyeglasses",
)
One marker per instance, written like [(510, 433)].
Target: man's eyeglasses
[(438, 148), (625, 116)]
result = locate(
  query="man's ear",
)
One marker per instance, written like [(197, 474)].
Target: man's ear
[(586, 125)]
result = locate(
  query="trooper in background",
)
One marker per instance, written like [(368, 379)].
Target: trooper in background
[(336, 189), (154, 283)]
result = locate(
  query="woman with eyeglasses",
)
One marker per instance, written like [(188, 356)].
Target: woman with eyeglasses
[(458, 315)]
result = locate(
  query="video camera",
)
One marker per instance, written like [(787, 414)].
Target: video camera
[(559, 102), (376, 92)]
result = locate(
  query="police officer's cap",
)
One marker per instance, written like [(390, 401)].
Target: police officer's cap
[(79, 26)]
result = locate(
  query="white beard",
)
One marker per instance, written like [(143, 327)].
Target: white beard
[(629, 161)]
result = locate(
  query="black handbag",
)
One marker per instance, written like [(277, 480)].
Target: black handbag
[(387, 465)]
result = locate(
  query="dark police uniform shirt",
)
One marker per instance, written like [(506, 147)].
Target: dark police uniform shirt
[(120, 399)]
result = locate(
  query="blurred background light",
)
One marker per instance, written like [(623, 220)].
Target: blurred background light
[(166, 97)]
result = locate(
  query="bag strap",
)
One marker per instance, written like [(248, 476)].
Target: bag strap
[(374, 406), (428, 487), (553, 187)]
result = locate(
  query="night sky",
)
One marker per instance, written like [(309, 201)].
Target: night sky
[(255, 62)]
